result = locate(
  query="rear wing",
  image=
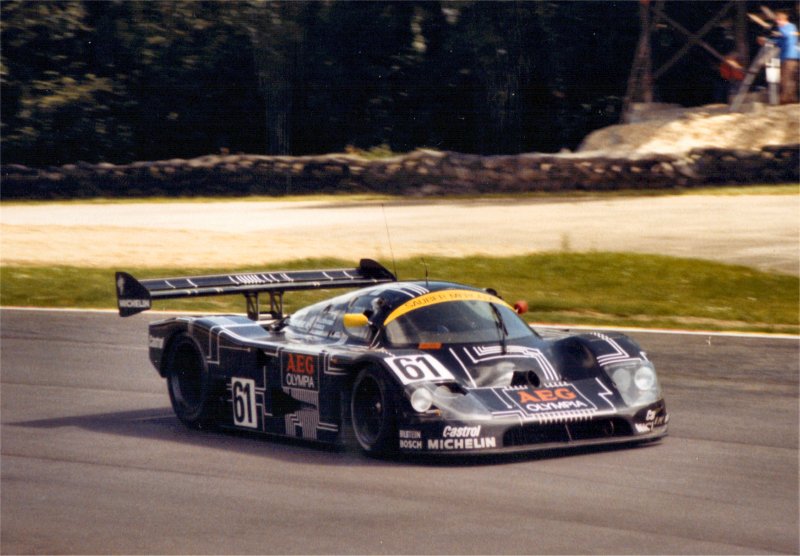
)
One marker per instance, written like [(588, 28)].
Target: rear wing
[(135, 296)]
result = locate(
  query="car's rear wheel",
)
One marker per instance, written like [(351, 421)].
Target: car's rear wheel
[(373, 409), (188, 383)]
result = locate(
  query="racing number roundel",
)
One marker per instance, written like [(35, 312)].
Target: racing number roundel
[(418, 368), (243, 391)]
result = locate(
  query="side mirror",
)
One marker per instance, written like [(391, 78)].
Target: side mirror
[(521, 307), (355, 320)]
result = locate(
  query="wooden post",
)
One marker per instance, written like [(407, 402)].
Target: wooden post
[(647, 76), (640, 81), (740, 31), (692, 38)]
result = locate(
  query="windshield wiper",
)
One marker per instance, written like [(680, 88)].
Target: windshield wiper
[(501, 326)]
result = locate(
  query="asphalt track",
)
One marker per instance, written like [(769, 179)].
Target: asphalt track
[(93, 461)]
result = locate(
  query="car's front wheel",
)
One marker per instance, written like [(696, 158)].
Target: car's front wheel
[(373, 408), (188, 383)]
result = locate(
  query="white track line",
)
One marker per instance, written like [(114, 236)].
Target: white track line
[(670, 331)]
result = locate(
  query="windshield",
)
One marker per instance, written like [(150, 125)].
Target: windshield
[(457, 322)]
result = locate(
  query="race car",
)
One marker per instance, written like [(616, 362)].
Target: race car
[(418, 367)]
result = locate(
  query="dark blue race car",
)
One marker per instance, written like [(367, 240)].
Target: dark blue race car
[(418, 367)]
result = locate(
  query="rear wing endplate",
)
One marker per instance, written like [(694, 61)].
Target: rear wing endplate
[(135, 296)]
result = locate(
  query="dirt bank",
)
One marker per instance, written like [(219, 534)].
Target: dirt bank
[(756, 230), (676, 130)]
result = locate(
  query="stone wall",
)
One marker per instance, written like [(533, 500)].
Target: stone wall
[(419, 173)]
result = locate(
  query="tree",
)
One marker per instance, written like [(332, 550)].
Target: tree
[(277, 40), (131, 79), (55, 109)]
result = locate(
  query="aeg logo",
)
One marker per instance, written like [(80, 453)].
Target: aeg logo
[(550, 400), (299, 371), (301, 364), (546, 395)]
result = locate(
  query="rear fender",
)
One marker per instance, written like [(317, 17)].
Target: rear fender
[(206, 331), (160, 338)]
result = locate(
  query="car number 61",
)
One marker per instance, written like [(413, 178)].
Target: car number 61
[(418, 368), (244, 402)]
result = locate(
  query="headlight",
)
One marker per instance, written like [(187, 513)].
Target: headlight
[(421, 400), (637, 384), (644, 378), (449, 400), (622, 379)]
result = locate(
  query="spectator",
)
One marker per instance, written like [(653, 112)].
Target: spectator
[(785, 37)]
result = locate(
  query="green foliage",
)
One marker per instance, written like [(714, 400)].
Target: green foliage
[(120, 81), (568, 288), (55, 110), (142, 80)]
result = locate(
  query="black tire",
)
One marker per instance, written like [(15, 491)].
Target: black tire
[(347, 437), (373, 412), (189, 384)]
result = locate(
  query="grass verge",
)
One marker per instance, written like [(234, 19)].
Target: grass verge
[(599, 289)]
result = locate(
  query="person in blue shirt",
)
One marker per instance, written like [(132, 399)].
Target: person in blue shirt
[(785, 37)]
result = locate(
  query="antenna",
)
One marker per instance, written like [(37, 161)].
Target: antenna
[(426, 271), (389, 237)]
